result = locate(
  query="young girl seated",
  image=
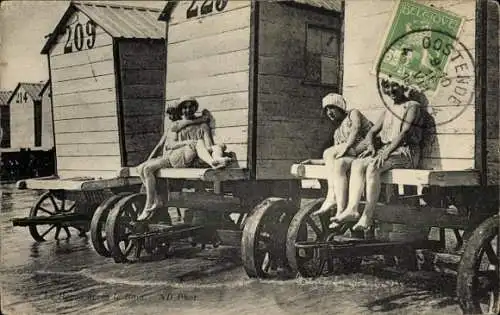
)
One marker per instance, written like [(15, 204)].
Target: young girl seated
[(210, 153), (185, 138), (352, 128)]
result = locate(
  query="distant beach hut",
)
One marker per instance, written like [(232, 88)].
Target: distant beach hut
[(26, 116)]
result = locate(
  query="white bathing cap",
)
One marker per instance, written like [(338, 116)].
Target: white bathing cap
[(334, 99)]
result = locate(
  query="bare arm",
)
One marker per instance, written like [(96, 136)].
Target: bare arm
[(158, 146), (356, 126), (173, 143), (413, 113), (374, 130), (180, 124)]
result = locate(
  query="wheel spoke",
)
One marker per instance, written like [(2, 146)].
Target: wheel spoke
[(58, 230), (54, 203), (266, 263), (492, 256), (313, 225), (68, 233), (48, 230), (72, 207), (63, 203), (128, 249)]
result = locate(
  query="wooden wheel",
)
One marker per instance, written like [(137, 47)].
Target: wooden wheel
[(310, 262), (120, 225), (51, 204), (264, 237), (98, 223), (478, 277)]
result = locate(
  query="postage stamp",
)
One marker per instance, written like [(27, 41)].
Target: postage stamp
[(423, 51), (409, 57)]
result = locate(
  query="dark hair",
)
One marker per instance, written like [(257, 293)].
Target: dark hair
[(174, 112), (184, 104), (341, 109)]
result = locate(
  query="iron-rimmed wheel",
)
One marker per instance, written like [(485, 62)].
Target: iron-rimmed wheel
[(121, 223), (98, 224), (310, 261), (478, 277), (264, 238), (50, 204)]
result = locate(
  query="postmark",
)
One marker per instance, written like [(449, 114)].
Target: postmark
[(433, 64)]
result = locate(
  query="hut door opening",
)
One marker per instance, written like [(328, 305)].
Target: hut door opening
[(38, 124)]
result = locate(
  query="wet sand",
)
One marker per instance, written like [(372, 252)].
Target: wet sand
[(68, 277)]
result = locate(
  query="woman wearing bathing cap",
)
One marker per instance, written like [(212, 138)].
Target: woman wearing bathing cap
[(351, 129)]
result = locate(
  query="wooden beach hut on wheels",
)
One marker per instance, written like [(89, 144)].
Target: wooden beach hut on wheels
[(449, 51), (107, 68), (261, 69), (107, 74)]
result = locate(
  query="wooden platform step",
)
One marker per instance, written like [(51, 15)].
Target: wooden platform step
[(204, 174), (315, 169)]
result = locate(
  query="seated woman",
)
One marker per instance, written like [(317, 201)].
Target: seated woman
[(400, 131), (179, 150), (352, 127), (208, 151)]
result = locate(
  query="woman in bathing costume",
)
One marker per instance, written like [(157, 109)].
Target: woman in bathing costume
[(401, 134), (348, 143), (185, 138)]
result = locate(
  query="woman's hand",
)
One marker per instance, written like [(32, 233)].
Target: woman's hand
[(381, 158), (370, 151), (205, 115)]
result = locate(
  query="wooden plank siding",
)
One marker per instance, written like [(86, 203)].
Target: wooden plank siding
[(85, 106), (22, 120), (47, 122), (452, 145), (290, 127), (208, 58), (142, 84)]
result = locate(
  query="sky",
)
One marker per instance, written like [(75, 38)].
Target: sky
[(23, 26)]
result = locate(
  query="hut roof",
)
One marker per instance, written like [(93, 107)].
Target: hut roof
[(45, 86), (4, 97), (331, 5), (118, 21), (33, 90)]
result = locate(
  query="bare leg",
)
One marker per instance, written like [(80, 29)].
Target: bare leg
[(140, 170), (340, 181), (328, 157), (205, 156), (218, 154), (207, 136), (216, 150), (150, 185), (373, 185), (356, 188)]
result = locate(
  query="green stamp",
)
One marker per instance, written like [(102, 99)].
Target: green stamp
[(421, 58)]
